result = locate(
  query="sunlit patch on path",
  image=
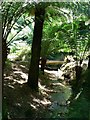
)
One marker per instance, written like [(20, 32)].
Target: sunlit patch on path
[(55, 74)]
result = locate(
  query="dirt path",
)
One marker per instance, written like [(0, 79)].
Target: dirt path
[(22, 102)]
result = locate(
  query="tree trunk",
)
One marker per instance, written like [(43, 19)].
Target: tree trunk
[(89, 62), (36, 47), (4, 53), (43, 63)]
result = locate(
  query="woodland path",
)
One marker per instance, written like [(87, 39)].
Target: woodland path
[(22, 102)]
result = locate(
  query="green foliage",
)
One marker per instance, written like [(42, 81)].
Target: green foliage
[(45, 48), (60, 32), (23, 55), (78, 107), (20, 50), (8, 65), (14, 49), (61, 26), (23, 52), (16, 19), (82, 103), (61, 29)]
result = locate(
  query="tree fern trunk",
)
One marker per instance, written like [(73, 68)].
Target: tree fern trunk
[(36, 47)]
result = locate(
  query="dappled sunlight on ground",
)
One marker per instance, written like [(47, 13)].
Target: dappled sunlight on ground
[(55, 74), (16, 75), (23, 75), (43, 88), (58, 84), (44, 101), (22, 102)]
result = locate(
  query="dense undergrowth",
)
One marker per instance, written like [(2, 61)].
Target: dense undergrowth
[(80, 107)]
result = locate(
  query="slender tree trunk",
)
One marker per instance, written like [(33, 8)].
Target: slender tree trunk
[(4, 53), (43, 63), (36, 47), (89, 62)]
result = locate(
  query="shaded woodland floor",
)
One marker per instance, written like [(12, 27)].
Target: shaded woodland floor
[(21, 102)]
